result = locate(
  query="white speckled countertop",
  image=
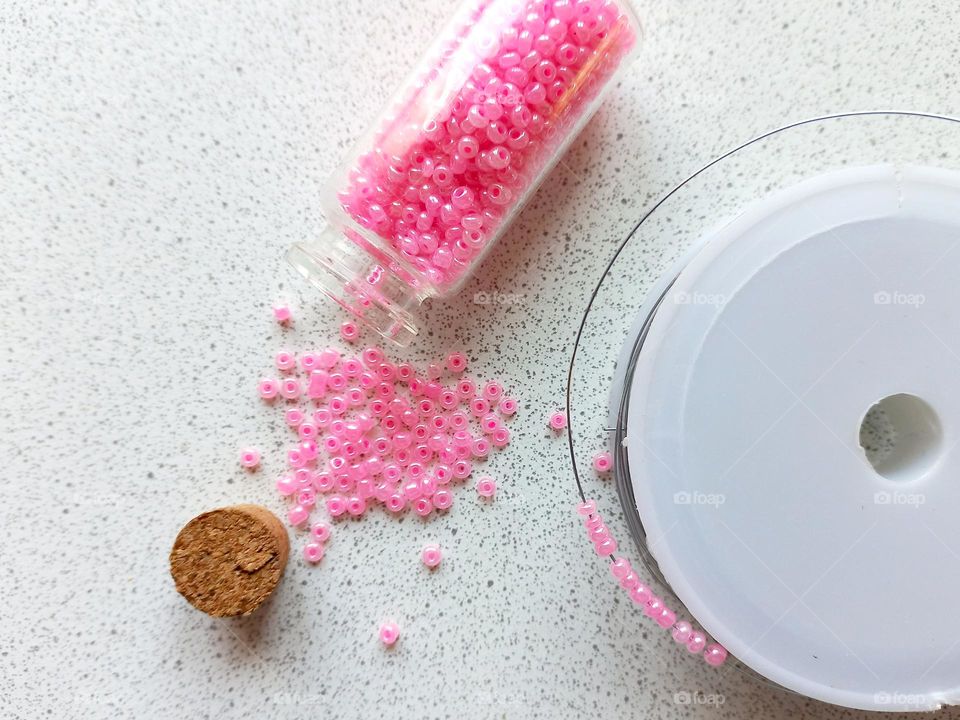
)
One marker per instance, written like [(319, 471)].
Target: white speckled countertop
[(156, 159)]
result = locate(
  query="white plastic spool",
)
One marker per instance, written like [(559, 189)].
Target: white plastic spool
[(788, 324)]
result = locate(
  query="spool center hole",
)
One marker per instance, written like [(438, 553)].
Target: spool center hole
[(901, 437)]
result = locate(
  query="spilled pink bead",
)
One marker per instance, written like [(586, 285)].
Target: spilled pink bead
[(602, 462), (389, 633), (486, 486), (558, 420), (313, 552), (249, 458), (431, 555)]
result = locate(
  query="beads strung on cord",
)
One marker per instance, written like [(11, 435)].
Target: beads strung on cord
[(653, 607)]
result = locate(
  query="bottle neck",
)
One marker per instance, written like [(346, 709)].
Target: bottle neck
[(375, 288)]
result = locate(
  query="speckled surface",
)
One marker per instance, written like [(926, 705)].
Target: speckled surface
[(156, 159)]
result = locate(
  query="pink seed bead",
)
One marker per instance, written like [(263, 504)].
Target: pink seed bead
[(715, 655), (501, 437), (697, 642), (667, 618), (317, 384), (285, 360), (249, 458), (653, 607), (629, 581), (486, 486), (327, 359), (641, 594), (431, 555), (681, 632), (293, 417), (442, 499), (336, 505), (602, 462), (268, 388), (389, 633), (281, 313), (493, 391), (286, 485), (462, 469), (349, 331), (606, 547), (558, 420), (456, 362), (620, 568), (308, 362), (395, 503), (290, 389), (356, 506), (479, 407), (297, 515), (587, 508), (480, 448), (307, 497), (313, 552), (320, 532), (422, 506), (507, 406)]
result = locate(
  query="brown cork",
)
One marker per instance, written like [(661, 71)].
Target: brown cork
[(226, 562)]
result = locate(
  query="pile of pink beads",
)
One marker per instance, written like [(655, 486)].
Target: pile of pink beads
[(491, 110), (653, 607), (373, 431)]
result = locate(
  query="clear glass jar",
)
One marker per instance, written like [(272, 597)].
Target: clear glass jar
[(463, 144)]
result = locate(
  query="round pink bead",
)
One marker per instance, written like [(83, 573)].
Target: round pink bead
[(422, 506), (606, 548), (696, 642), (356, 505), (320, 532), (715, 654), (286, 485), (285, 360), (602, 462), (431, 555), (249, 458), (456, 362), (442, 499), (486, 486), (666, 618), (282, 313), (389, 633), (336, 505), (641, 594), (313, 552), (298, 515), (349, 331), (587, 508), (681, 632), (620, 568), (558, 420), (268, 388)]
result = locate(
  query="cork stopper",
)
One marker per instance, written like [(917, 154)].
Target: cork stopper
[(226, 562)]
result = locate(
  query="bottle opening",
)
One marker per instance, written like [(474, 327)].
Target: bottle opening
[(372, 291)]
